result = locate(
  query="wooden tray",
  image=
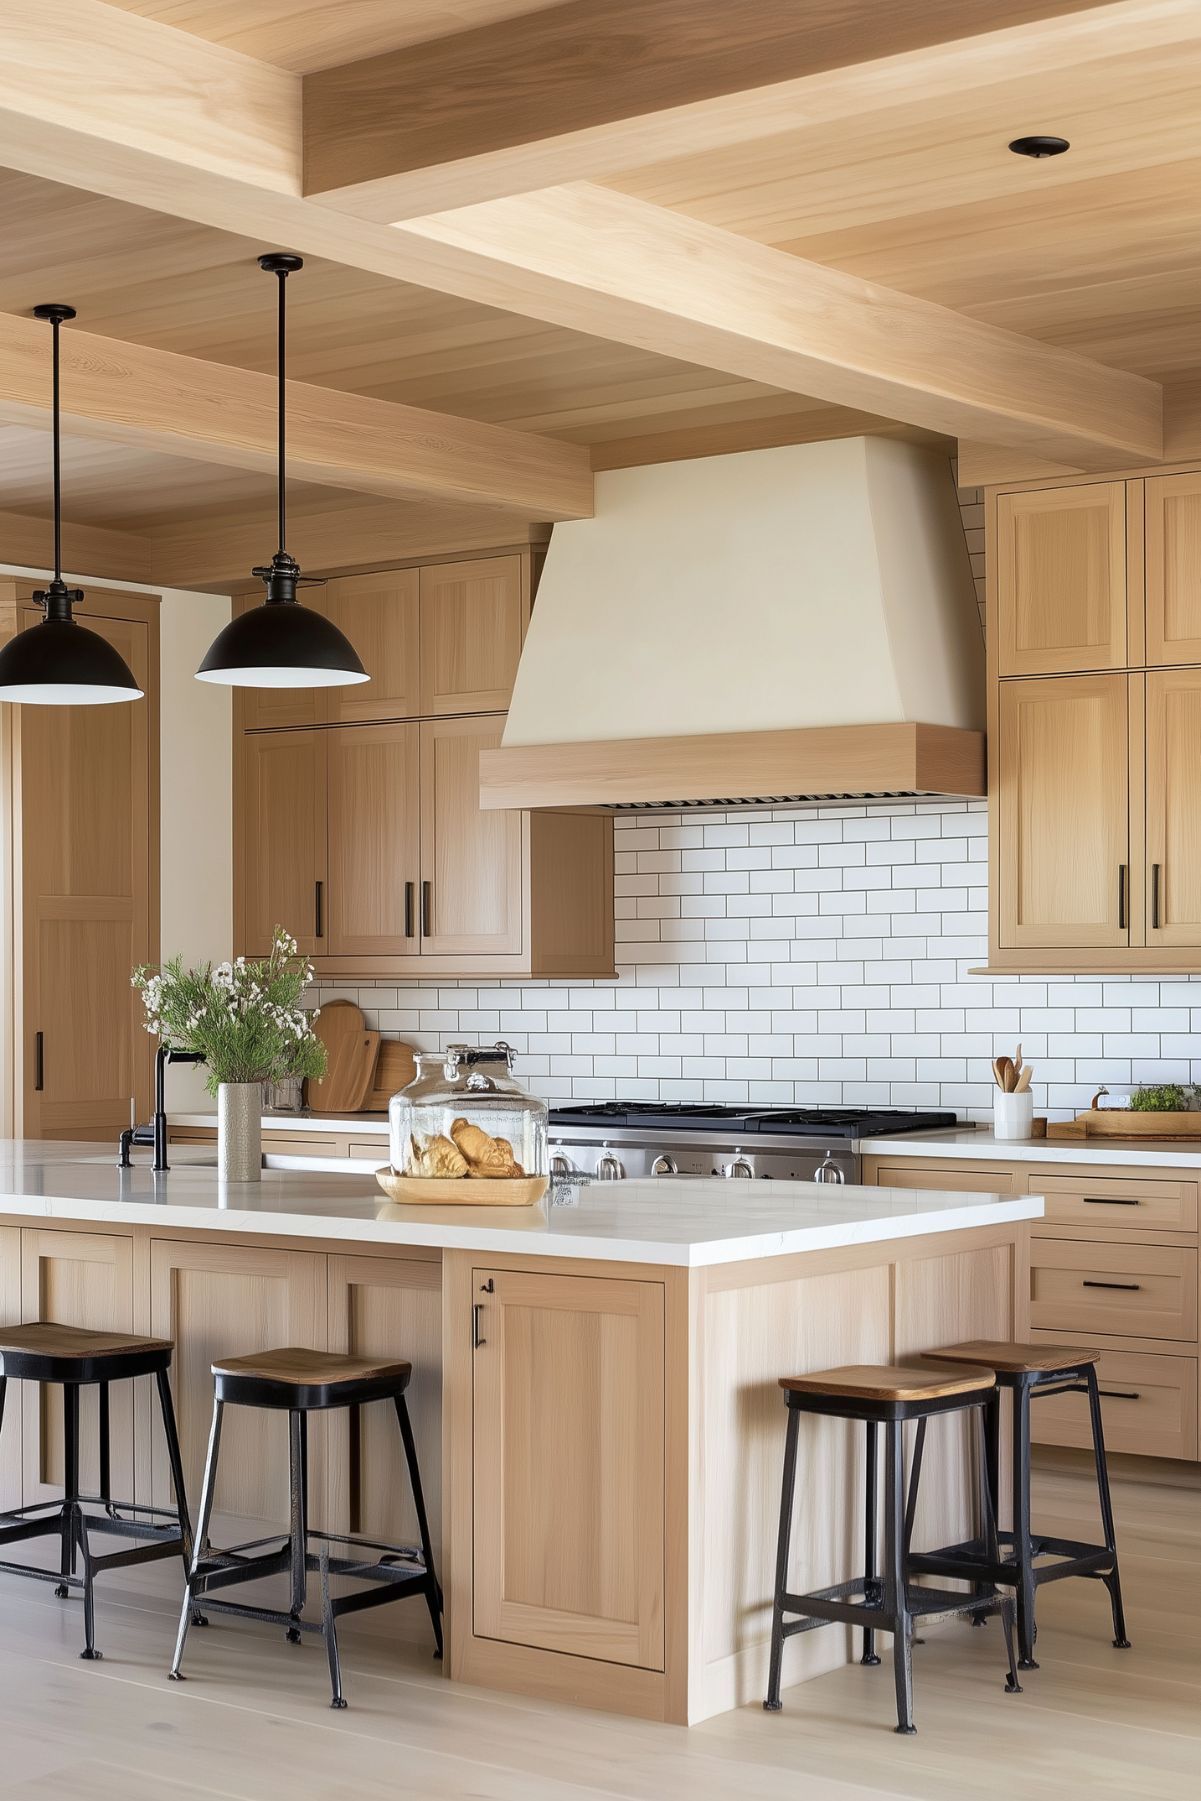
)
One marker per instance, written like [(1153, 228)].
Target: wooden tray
[(1121, 1122), (462, 1191)]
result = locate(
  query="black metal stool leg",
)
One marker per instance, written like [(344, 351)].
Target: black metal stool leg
[(991, 1428), (433, 1592), (787, 1491), (201, 1540), (70, 1532), (1022, 1547), (330, 1633), (106, 1478), (1112, 1579), (992, 1548), (175, 1460), (299, 1525), (872, 1593), (89, 1652), (895, 1592)]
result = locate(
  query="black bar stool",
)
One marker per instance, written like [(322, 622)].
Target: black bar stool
[(1027, 1371), (77, 1358), (306, 1382), (887, 1396)]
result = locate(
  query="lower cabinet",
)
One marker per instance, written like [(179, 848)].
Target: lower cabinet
[(568, 1434), (10, 1315), (1148, 1403)]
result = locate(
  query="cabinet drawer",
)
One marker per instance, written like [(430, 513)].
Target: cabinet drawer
[(370, 1150), (941, 1175), (1085, 1200), (1148, 1403), (1133, 1291)]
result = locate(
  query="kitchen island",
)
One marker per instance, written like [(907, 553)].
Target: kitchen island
[(594, 1387)]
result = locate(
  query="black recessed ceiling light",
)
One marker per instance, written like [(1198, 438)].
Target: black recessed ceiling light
[(281, 644), (1039, 146), (58, 662)]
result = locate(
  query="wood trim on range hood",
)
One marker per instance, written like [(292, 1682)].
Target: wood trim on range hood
[(727, 769)]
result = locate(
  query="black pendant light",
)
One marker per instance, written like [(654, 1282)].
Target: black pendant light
[(281, 644), (59, 663)]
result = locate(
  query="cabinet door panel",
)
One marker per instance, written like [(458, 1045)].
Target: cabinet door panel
[(10, 1315), (217, 1300), (76, 1279), (374, 840), (1063, 812), (1061, 579), (472, 620), (1173, 821), (569, 1465), (1173, 552), (378, 613), (471, 860), (280, 845)]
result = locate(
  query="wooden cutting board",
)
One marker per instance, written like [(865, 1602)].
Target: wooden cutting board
[(1123, 1122), (394, 1069), (352, 1051)]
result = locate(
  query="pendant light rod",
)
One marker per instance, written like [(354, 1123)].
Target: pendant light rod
[(281, 264), (57, 315)]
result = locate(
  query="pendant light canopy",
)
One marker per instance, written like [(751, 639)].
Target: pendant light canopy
[(59, 663), (281, 644)]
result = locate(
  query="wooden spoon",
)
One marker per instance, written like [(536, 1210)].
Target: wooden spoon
[(1024, 1079), (1003, 1070)]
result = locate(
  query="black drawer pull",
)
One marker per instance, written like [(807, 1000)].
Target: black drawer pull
[(409, 908), (1120, 1394), (319, 909), (1155, 897), (427, 927), (1115, 1200), (477, 1337), (39, 1062), (1133, 1287), (1122, 922)]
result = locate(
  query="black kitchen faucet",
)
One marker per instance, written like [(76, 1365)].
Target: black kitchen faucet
[(155, 1131)]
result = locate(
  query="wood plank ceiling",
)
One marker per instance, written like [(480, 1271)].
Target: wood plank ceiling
[(910, 186)]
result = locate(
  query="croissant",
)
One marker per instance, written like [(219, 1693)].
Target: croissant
[(486, 1156), (438, 1157)]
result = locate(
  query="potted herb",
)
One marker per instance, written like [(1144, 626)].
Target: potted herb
[(246, 1021)]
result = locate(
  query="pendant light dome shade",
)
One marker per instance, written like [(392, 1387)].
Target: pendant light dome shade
[(59, 663), (281, 644)]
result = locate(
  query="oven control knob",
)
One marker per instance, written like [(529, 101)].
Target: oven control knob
[(608, 1168), (828, 1171), (665, 1166), (740, 1166)]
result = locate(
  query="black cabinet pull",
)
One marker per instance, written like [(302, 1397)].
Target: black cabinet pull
[(39, 1062), (1122, 896), (1115, 1200), (319, 909), (1120, 1394), (427, 928), (1155, 897), (477, 1338), (1132, 1287), (410, 898)]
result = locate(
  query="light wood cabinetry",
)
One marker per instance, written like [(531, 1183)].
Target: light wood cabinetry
[(85, 839), (568, 1387), (1173, 559), (10, 1315), (1173, 850), (1063, 812), (1113, 1264), (1061, 579), (357, 819)]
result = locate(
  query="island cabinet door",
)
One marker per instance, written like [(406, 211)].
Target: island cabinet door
[(569, 1465), (10, 1315), (227, 1300)]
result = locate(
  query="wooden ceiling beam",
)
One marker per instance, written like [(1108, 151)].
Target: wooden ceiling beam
[(597, 261), (183, 406), (583, 89), (88, 550)]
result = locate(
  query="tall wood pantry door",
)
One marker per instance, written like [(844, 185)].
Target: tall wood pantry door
[(569, 1464), (1173, 900), (1064, 812), (86, 832)]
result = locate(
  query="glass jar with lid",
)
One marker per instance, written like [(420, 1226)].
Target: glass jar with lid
[(464, 1131)]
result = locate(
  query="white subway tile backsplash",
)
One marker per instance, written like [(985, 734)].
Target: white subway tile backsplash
[(810, 957)]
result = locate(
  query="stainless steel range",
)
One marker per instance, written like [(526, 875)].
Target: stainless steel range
[(610, 1140)]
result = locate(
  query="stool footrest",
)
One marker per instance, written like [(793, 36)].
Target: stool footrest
[(846, 1603), (970, 1562)]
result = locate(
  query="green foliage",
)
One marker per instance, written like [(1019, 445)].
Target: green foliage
[(1166, 1097), (243, 1018)]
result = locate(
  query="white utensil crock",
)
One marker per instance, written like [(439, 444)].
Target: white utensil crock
[(240, 1131), (1013, 1115)]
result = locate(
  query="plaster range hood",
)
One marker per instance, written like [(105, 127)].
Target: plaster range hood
[(778, 626)]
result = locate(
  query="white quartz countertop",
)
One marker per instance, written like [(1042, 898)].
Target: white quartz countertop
[(979, 1142), (676, 1221)]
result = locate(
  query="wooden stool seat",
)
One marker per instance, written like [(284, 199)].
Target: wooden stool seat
[(1015, 1358), (303, 1380), (888, 1382), (43, 1351)]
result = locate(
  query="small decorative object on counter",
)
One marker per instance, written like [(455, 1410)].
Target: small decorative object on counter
[(465, 1132), (245, 1021), (1013, 1103)]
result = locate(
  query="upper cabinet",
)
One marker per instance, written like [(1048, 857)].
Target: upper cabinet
[(473, 620), (379, 614), (1061, 580), (1173, 563)]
